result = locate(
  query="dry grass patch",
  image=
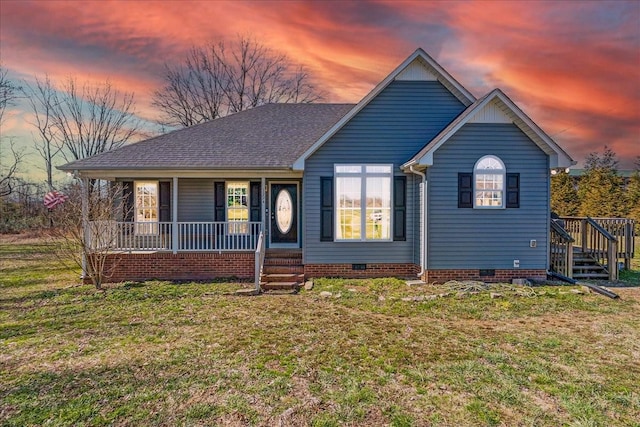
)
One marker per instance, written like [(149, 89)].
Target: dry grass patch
[(158, 353)]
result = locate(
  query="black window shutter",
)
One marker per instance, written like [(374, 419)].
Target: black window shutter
[(513, 190), (400, 208), (128, 206), (220, 201), (164, 188), (465, 190), (326, 209), (255, 202)]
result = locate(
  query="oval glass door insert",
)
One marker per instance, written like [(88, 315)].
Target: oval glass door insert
[(284, 211)]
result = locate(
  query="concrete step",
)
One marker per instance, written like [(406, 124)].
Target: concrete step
[(280, 285), (282, 277), (280, 291)]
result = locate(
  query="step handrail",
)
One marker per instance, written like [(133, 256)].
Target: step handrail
[(561, 249), (562, 232), (259, 260), (601, 230), (611, 249)]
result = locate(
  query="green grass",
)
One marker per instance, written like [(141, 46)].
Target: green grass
[(158, 353)]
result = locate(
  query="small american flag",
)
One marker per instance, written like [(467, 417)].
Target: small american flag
[(53, 199)]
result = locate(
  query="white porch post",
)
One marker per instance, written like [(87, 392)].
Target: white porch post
[(84, 185), (263, 184), (174, 216)]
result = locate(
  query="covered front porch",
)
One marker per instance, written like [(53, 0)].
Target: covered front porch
[(218, 211), (199, 226)]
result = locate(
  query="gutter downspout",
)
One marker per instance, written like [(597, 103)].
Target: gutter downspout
[(423, 222)]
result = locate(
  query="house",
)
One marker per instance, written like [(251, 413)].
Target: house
[(420, 178)]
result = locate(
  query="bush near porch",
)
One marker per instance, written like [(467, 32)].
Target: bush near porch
[(371, 353)]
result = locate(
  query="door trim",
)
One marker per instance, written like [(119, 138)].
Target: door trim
[(285, 245)]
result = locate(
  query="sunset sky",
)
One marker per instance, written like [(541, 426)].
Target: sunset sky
[(573, 66)]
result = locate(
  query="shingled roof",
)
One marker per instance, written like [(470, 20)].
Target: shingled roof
[(269, 136)]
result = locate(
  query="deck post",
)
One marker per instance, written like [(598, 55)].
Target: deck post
[(583, 234), (612, 260), (569, 246), (84, 194), (628, 245), (174, 216)]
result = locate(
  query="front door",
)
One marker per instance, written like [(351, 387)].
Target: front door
[(284, 215)]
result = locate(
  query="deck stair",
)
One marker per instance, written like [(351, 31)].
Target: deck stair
[(585, 266), (282, 271)]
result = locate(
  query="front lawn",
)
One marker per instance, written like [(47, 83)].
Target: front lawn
[(372, 352)]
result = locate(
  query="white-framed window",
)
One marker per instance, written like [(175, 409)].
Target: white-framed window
[(488, 183), (363, 202), (238, 207), (146, 207)]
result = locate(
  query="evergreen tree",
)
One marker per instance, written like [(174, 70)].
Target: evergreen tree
[(600, 189), (633, 196), (564, 196)]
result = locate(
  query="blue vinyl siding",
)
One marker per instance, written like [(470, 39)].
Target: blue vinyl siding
[(488, 239), (390, 130), (196, 200)]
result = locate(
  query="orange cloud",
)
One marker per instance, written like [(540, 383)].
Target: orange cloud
[(573, 66)]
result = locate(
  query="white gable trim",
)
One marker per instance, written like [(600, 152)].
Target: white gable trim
[(490, 113), (558, 158), (417, 72), (420, 57)]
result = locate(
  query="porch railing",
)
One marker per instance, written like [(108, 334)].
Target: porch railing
[(159, 236), (607, 240), (561, 248)]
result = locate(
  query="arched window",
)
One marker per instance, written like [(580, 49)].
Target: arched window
[(489, 179)]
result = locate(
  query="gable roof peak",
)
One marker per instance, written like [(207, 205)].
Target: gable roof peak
[(431, 66), (506, 108)]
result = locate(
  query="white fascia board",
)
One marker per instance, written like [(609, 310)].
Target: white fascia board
[(563, 160), (298, 165)]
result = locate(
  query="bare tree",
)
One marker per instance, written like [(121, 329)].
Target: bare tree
[(9, 169), (8, 163), (42, 99), (214, 81), (83, 120), (8, 92), (85, 234)]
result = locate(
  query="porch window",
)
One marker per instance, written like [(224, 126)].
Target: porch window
[(238, 207), (489, 180), (363, 202), (146, 207)]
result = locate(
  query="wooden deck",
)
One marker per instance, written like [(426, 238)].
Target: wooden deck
[(591, 248)]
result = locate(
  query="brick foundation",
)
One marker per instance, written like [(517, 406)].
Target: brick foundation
[(372, 270), (441, 276), (213, 265), (180, 266)]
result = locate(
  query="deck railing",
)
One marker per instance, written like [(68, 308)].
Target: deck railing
[(608, 240), (159, 236), (561, 248)]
